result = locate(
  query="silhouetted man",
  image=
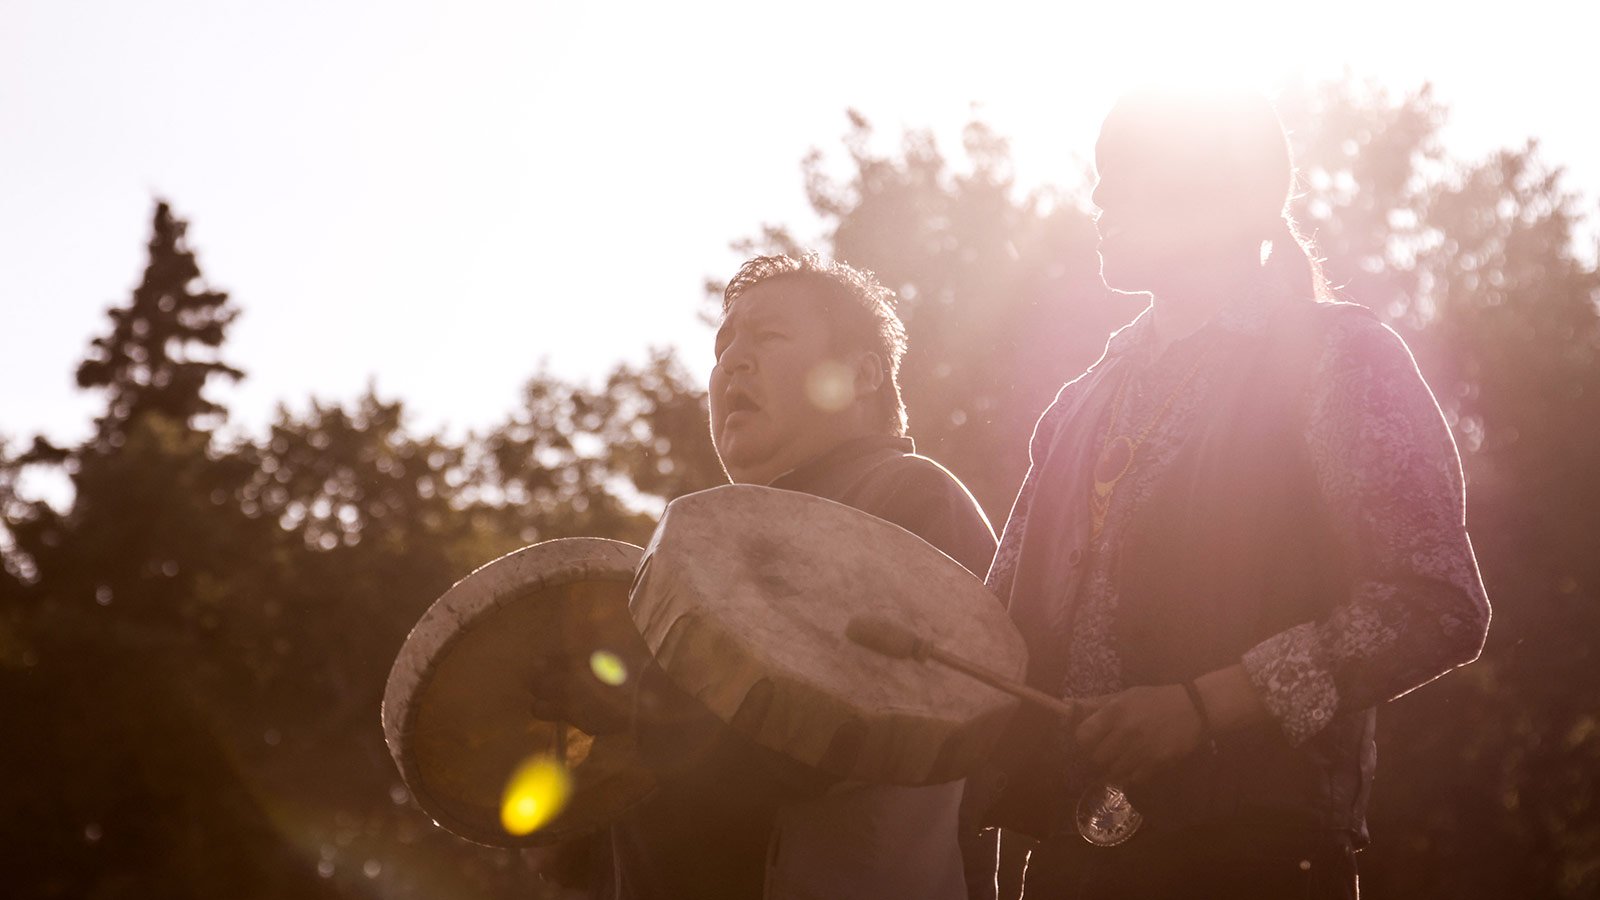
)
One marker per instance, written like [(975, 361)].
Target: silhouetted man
[(1243, 529), (805, 397)]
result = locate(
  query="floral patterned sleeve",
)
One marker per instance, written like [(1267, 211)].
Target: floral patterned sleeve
[(1387, 468)]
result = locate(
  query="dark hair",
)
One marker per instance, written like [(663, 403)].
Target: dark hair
[(859, 311), (1229, 144)]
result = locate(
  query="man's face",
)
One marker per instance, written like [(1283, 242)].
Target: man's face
[(780, 395), (1161, 215), (1143, 230)]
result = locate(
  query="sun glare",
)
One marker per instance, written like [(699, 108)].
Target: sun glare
[(608, 668), (830, 386), (1230, 44), (536, 793), (1215, 71)]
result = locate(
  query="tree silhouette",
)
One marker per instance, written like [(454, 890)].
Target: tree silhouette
[(1511, 331), (121, 781), (577, 460), (198, 643), (161, 349)]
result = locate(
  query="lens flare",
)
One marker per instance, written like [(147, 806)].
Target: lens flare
[(537, 792), (608, 668), (830, 386)]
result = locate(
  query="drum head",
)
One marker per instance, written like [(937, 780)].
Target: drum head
[(533, 654), (744, 598)]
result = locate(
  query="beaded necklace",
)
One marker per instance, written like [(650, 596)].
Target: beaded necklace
[(1117, 453)]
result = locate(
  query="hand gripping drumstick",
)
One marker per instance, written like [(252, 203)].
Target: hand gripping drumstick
[(885, 637)]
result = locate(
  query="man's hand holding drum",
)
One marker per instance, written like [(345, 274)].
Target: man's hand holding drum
[(1135, 734)]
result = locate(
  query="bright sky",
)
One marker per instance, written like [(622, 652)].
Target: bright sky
[(438, 196)]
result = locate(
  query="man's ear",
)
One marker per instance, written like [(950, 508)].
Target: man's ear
[(869, 373)]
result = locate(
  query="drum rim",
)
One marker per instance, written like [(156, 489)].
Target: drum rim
[(447, 621)]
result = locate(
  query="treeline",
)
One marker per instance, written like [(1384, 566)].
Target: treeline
[(192, 654)]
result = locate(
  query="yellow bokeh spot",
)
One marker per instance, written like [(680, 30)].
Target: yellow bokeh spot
[(608, 668), (830, 386), (537, 792)]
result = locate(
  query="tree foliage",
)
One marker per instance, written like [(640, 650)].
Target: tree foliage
[(1000, 290), (198, 643), (161, 349)]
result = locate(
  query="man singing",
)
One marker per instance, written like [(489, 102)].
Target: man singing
[(805, 397)]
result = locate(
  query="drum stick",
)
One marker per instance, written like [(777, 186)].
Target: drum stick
[(885, 637)]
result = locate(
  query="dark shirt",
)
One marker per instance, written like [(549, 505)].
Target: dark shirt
[(883, 477), (707, 832)]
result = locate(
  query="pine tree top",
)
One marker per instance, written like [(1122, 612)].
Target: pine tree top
[(163, 344)]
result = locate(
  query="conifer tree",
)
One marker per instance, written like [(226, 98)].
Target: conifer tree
[(163, 345)]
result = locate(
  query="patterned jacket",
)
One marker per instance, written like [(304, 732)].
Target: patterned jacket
[(1295, 504)]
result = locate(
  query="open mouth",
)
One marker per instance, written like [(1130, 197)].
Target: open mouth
[(740, 401)]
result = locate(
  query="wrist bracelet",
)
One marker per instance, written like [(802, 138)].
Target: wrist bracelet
[(1206, 734)]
